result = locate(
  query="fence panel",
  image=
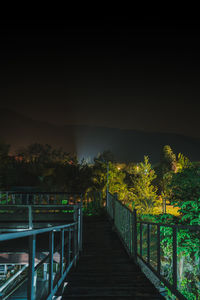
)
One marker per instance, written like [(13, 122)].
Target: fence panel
[(172, 252)]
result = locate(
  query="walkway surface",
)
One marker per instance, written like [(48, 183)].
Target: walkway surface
[(104, 270)]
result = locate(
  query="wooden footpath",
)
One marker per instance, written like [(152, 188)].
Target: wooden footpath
[(104, 270)]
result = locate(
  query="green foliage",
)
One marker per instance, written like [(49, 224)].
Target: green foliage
[(116, 182), (188, 255), (185, 188), (168, 159), (183, 162), (144, 193)]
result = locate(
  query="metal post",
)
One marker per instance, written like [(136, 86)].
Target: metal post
[(148, 243), (69, 246), (158, 249), (140, 239), (31, 271), (62, 251), (81, 223), (51, 249), (75, 242), (114, 207), (30, 217), (174, 257), (134, 237)]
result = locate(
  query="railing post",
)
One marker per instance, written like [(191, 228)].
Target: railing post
[(51, 250), (148, 243), (81, 225), (114, 207), (158, 249), (141, 239), (134, 234), (31, 269), (174, 257), (69, 246), (75, 236), (30, 217), (62, 251)]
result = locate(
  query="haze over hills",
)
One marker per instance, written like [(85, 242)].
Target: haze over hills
[(127, 145)]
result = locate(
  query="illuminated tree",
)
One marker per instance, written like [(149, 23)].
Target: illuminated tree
[(144, 192), (168, 159), (183, 162), (117, 184)]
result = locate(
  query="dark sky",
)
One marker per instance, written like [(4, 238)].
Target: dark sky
[(121, 73)]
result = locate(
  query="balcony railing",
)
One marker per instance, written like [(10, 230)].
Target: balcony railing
[(65, 252), (144, 240)]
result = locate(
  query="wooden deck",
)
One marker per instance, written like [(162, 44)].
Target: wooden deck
[(104, 270)]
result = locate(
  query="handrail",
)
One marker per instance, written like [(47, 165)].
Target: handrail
[(17, 235), (73, 242), (126, 224), (91, 201), (74, 245), (76, 209), (32, 197)]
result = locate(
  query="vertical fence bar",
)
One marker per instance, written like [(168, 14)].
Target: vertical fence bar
[(69, 246), (31, 269), (75, 242), (62, 251), (175, 257), (158, 249), (140, 239), (129, 230), (134, 231), (51, 249), (148, 243), (30, 217), (81, 220)]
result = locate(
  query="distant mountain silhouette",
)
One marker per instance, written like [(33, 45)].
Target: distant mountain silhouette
[(88, 141)]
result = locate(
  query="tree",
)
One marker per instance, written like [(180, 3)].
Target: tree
[(144, 193), (117, 184), (168, 159), (183, 162), (185, 187)]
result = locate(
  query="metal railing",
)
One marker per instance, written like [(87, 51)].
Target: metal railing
[(143, 240), (31, 213), (35, 198), (91, 201), (70, 237)]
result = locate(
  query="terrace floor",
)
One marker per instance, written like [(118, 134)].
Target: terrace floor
[(104, 270)]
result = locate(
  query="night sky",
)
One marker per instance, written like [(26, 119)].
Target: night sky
[(124, 74)]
